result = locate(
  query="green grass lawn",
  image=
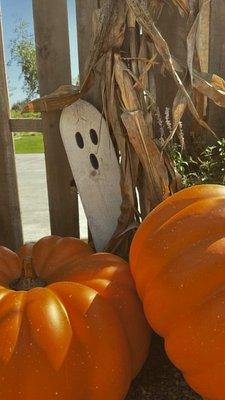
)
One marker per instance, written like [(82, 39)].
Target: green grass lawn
[(28, 143)]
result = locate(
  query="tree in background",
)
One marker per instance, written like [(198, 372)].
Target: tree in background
[(22, 51)]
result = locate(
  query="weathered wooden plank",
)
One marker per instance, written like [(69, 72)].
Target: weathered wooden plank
[(203, 36), (10, 219), (174, 29), (85, 11), (53, 59), (217, 60), (26, 125), (95, 168)]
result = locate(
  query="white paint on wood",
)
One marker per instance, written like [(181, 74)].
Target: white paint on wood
[(95, 168)]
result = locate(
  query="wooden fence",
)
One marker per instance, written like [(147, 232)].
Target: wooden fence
[(53, 60)]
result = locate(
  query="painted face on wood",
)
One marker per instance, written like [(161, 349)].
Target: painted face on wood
[(95, 168)]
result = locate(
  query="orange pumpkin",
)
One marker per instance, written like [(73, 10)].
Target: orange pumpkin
[(178, 262), (71, 325)]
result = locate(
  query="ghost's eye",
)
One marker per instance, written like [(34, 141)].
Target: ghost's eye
[(79, 140), (94, 161), (94, 136)]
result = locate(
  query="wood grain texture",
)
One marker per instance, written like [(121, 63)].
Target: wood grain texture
[(203, 36), (26, 125), (85, 11), (217, 61), (173, 29), (95, 168), (10, 219), (53, 59)]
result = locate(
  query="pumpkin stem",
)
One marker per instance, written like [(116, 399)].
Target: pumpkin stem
[(28, 271), (28, 279)]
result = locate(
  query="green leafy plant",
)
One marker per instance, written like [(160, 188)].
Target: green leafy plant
[(209, 167)]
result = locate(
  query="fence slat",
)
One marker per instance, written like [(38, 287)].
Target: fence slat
[(173, 29), (10, 219), (85, 10), (53, 60), (217, 61), (26, 125)]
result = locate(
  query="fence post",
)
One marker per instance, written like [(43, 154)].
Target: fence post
[(53, 60), (10, 219), (173, 28), (217, 61), (84, 11)]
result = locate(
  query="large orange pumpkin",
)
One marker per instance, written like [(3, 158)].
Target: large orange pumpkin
[(178, 262), (71, 325)]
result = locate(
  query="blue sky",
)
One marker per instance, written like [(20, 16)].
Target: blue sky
[(14, 11)]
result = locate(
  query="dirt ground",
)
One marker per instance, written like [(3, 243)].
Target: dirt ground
[(159, 379)]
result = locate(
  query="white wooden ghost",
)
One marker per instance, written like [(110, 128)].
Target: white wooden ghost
[(94, 166)]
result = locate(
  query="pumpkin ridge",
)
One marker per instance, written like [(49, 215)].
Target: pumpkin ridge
[(170, 263), (177, 215), (49, 268), (68, 266), (3, 292), (4, 279), (106, 300), (47, 313), (200, 195), (10, 322), (93, 265), (172, 221), (95, 284), (9, 270), (126, 336), (53, 287), (180, 322), (109, 283), (53, 246), (189, 378), (86, 321), (108, 295), (141, 346), (210, 297), (217, 288)]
